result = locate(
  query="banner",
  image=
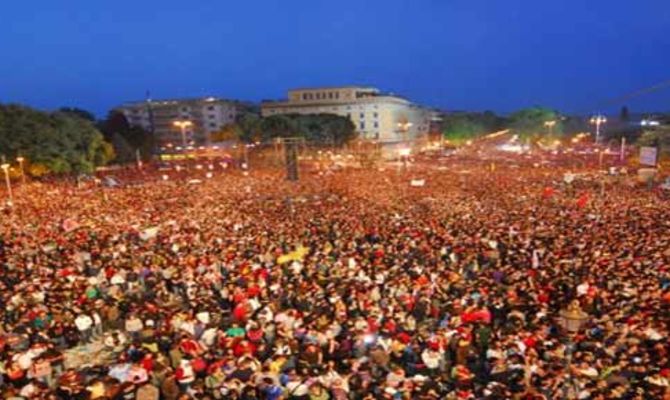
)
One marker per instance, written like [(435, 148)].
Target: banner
[(149, 233), (70, 225), (648, 156), (583, 200), (296, 255)]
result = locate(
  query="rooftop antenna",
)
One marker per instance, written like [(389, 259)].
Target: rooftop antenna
[(150, 112)]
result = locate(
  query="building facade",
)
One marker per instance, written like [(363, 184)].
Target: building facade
[(204, 115), (377, 116)]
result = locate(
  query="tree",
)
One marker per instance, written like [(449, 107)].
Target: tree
[(277, 126), (321, 128), (461, 127), (229, 132), (250, 125), (657, 137), (127, 139), (59, 142), (530, 122), (78, 112)]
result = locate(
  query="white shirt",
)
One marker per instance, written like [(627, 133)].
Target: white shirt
[(431, 358), (83, 322)]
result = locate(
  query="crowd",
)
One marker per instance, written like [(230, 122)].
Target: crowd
[(346, 285)]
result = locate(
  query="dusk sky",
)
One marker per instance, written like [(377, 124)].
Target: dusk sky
[(452, 54)]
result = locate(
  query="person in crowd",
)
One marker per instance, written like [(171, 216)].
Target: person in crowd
[(351, 284)]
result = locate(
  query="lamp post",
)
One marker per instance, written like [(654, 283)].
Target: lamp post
[(23, 173), (404, 154), (572, 320), (403, 127), (550, 126), (182, 125), (598, 120), (5, 168)]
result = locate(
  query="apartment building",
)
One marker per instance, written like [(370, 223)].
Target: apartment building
[(204, 116), (376, 115)]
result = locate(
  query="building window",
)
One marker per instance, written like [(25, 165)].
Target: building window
[(210, 108), (211, 116), (304, 96), (212, 125), (375, 115), (362, 125), (184, 109), (349, 115), (362, 115), (330, 95), (375, 124), (337, 95)]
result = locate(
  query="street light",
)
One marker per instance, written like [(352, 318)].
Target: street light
[(550, 125), (572, 319), (5, 168), (182, 125), (403, 127), (23, 174), (598, 120)]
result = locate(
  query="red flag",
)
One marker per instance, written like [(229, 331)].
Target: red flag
[(548, 192), (70, 224), (583, 200)]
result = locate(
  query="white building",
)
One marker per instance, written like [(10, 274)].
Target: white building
[(377, 116), (206, 115)]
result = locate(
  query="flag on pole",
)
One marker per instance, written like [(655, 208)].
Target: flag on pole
[(583, 200), (149, 233), (70, 225), (548, 192), (296, 255)]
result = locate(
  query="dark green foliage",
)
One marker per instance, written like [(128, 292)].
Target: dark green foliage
[(463, 126), (321, 128), (78, 112), (62, 141), (529, 122), (126, 139)]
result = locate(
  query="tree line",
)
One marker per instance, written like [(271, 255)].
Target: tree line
[(71, 140)]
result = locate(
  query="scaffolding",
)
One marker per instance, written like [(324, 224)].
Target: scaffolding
[(291, 147)]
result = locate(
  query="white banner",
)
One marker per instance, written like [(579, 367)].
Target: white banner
[(648, 156)]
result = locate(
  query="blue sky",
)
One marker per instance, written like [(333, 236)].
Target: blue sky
[(451, 54)]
